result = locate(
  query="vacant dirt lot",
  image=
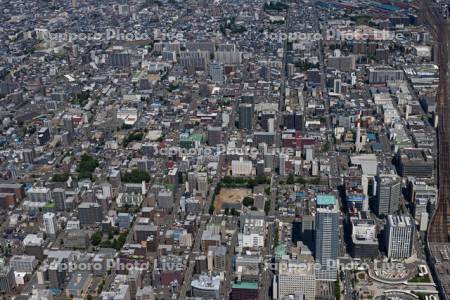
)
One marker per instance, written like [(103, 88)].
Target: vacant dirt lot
[(230, 195)]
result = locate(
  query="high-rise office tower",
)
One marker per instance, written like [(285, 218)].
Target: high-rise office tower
[(387, 197), (59, 198), (89, 213), (68, 124), (51, 226), (327, 237), (245, 116), (214, 135), (202, 183), (12, 171), (248, 98), (269, 159), (288, 120), (293, 120), (337, 85), (43, 136), (399, 233), (260, 168), (28, 155), (282, 164), (120, 59), (192, 181), (216, 72)]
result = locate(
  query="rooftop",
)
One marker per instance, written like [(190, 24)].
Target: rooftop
[(324, 200), (246, 285)]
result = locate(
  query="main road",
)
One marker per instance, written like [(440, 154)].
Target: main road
[(189, 272)]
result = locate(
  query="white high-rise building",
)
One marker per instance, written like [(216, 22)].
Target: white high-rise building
[(297, 276), (271, 124), (358, 142), (282, 164), (225, 119), (51, 226), (399, 236), (353, 78)]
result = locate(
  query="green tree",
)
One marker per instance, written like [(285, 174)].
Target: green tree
[(135, 176), (337, 290), (304, 65), (275, 238), (107, 244), (260, 179), (300, 180), (134, 136), (290, 179), (96, 238), (211, 207), (248, 201), (60, 177), (120, 241), (87, 166), (315, 181)]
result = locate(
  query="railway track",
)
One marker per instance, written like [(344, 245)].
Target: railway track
[(438, 230)]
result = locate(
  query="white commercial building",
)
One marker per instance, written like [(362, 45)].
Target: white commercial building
[(296, 277), (282, 167), (241, 167), (399, 236), (228, 57), (253, 233), (23, 263), (51, 226), (128, 115), (39, 194), (422, 51), (206, 287)]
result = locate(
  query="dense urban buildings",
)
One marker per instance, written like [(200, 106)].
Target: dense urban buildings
[(258, 149)]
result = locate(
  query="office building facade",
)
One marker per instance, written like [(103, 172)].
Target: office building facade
[(387, 197), (399, 233)]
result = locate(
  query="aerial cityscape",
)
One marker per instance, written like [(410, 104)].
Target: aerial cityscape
[(224, 149)]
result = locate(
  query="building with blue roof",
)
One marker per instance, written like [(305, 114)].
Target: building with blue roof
[(325, 200), (357, 200), (371, 136)]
